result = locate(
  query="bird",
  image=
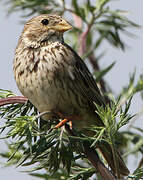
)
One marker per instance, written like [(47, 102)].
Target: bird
[(54, 78)]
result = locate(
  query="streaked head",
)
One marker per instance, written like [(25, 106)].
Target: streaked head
[(44, 28)]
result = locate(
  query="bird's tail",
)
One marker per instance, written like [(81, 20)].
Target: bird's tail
[(115, 162), (97, 163)]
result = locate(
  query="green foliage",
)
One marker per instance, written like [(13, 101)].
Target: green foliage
[(106, 23), (53, 150), (34, 141), (33, 6), (99, 74), (6, 93)]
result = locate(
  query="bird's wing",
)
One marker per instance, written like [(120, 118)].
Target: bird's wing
[(86, 84), (84, 80)]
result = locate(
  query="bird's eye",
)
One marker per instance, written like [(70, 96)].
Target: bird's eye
[(45, 21)]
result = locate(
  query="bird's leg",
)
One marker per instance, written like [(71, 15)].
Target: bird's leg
[(61, 123), (70, 124), (64, 121)]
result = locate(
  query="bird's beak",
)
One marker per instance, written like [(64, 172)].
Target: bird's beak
[(63, 26)]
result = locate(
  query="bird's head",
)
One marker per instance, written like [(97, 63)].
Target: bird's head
[(44, 28)]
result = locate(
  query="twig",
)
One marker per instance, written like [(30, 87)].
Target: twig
[(115, 161), (83, 37), (94, 159), (82, 42), (89, 152), (77, 21), (13, 100), (43, 113), (69, 10)]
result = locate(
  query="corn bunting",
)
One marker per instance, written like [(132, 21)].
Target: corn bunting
[(54, 78)]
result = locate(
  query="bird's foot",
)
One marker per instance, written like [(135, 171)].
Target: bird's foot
[(63, 121)]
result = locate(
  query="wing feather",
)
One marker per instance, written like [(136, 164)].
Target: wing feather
[(84, 80)]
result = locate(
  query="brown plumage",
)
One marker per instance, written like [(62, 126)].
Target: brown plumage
[(54, 78)]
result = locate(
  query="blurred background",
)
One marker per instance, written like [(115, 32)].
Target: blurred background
[(118, 77)]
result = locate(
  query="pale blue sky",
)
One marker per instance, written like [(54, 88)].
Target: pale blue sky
[(10, 30)]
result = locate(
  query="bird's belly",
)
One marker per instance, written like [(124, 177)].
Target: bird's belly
[(45, 92)]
